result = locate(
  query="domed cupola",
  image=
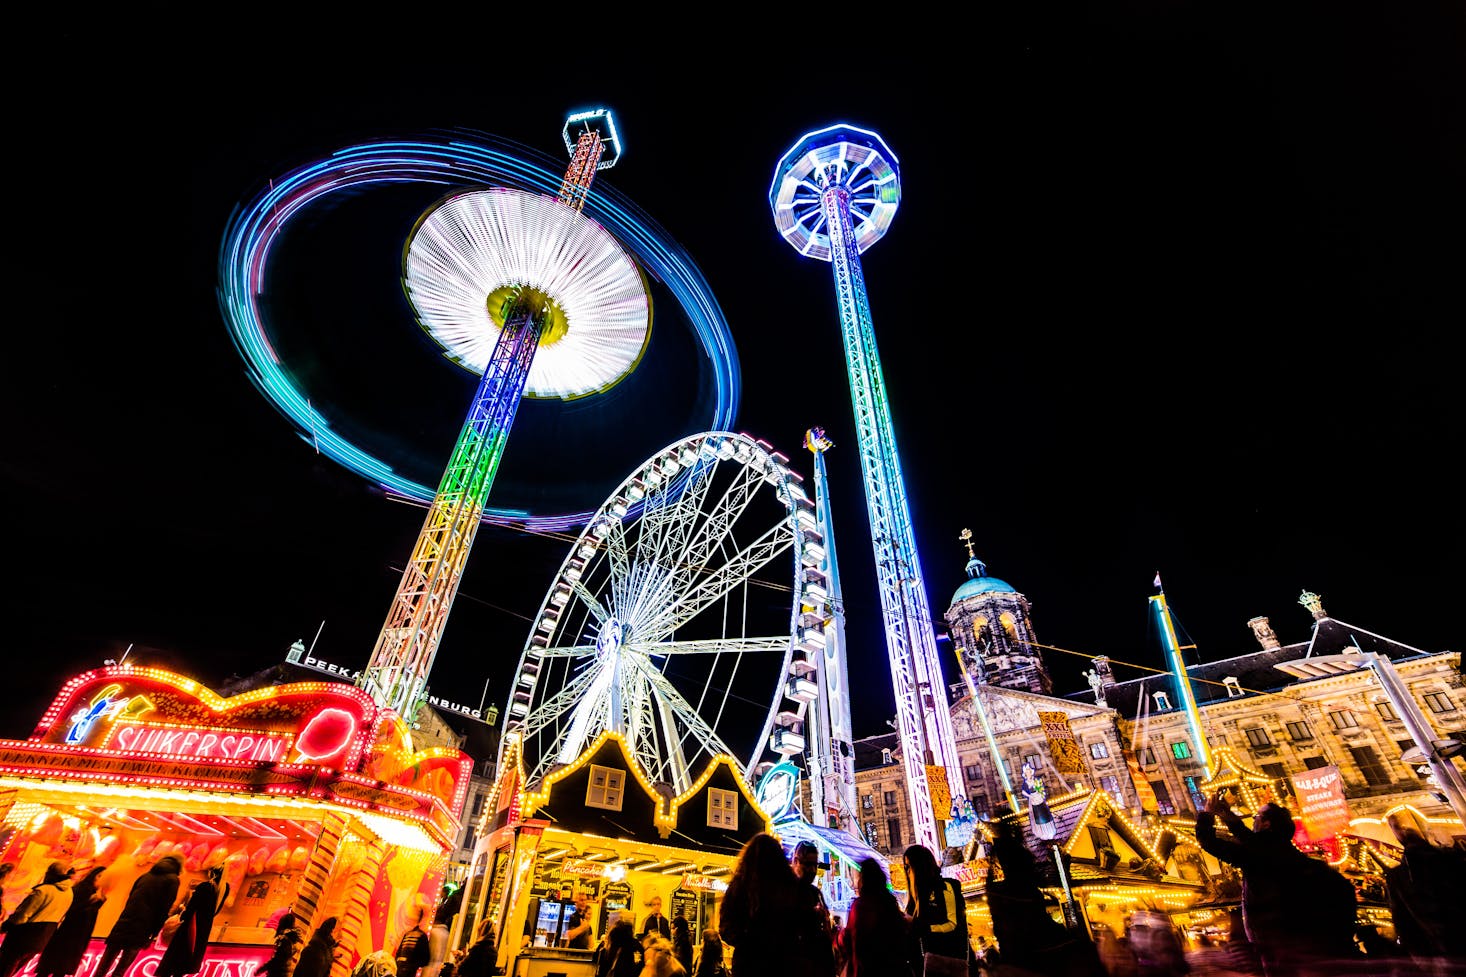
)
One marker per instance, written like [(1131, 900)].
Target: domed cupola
[(988, 620)]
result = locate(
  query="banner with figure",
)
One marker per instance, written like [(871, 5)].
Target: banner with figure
[(1062, 745)]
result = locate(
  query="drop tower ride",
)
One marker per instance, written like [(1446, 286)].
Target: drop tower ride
[(833, 195), (496, 276)]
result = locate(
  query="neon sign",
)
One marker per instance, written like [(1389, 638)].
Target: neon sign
[(201, 741)]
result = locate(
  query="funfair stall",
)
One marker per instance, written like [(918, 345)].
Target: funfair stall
[(599, 826), (310, 797)]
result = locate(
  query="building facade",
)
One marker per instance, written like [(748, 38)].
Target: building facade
[(1133, 740)]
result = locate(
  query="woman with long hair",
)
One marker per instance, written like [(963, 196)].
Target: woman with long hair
[(937, 911), (185, 953), (760, 909), (874, 941), (710, 956), (63, 955)]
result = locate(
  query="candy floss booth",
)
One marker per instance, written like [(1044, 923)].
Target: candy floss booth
[(310, 797)]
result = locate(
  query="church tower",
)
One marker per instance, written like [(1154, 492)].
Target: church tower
[(989, 621)]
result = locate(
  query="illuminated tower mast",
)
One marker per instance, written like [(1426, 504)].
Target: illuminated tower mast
[(833, 195), (1183, 679), (496, 275), (832, 774)]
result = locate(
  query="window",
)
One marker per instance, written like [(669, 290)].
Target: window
[(1033, 760), (722, 808), (478, 804), (1257, 736), (1111, 786), (1314, 762), (1343, 720), (1162, 797), (980, 803), (1277, 771), (1147, 757), (1299, 731), (1181, 750), (890, 798), (893, 830), (1098, 750), (1405, 746), (972, 772), (1386, 712), (870, 834), (1375, 772), (1193, 787), (886, 760), (867, 802), (606, 789), (1439, 702), (1007, 768)]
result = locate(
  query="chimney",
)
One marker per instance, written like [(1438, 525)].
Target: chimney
[(1264, 633)]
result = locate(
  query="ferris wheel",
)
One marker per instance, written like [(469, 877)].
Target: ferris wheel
[(678, 618)]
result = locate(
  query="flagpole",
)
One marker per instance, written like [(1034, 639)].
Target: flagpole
[(987, 728), (1183, 680)]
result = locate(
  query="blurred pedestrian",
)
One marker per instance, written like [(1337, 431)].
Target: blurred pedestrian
[(1428, 898), (938, 915), (185, 952), (288, 943), (764, 911), (34, 922), (1157, 946), (621, 953), (816, 943), (874, 941), (1030, 939), (148, 903), (63, 953), (661, 961), (655, 922), (1298, 912), (378, 963), (682, 941), (319, 952), (482, 957), (412, 951), (448, 906), (710, 961)]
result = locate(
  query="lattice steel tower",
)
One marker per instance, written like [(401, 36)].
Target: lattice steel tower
[(833, 195), (496, 276)]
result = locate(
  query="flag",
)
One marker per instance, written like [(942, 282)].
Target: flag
[(1158, 579)]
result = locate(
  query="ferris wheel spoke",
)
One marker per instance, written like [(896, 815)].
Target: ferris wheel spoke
[(713, 530), (560, 703), (572, 651), (671, 699), (739, 568), (735, 645)]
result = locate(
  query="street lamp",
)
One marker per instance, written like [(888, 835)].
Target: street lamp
[(1435, 752)]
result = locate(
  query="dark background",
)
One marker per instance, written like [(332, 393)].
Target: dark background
[(1167, 291)]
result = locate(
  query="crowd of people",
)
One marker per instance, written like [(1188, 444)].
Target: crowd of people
[(1297, 918)]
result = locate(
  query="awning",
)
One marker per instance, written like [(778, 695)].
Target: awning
[(829, 840)]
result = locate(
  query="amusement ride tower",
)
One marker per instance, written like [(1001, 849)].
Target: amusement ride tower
[(541, 301), (832, 743), (833, 195)]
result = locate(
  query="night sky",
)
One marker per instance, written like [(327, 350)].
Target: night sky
[(1164, 293)]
